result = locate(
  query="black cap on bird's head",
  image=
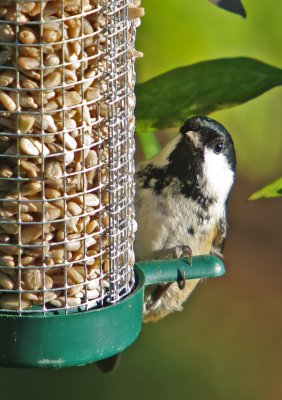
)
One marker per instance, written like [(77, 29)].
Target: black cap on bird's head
[(209, 133), (200, 124)]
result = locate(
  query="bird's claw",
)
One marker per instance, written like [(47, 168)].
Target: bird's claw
[(181, 281), (182, 252)]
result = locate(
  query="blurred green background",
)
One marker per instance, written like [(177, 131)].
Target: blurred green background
[(184, 32), (227, 343)]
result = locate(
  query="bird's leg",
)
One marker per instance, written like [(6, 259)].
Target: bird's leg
[(178, 252)]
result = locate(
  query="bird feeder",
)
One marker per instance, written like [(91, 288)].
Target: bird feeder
[(70, 292)]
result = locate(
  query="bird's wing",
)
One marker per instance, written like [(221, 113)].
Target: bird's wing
[(219, 239)]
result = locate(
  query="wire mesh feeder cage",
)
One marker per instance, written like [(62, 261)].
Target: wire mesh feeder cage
[(66, 183)]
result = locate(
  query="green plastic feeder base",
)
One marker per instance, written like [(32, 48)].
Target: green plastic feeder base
[(87, 336)]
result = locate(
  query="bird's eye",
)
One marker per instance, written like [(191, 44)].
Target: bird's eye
[(218, 147)]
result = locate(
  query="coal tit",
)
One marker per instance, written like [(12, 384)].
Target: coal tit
[(181, 197)]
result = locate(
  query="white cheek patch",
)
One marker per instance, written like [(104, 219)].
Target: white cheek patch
[(218, 174)]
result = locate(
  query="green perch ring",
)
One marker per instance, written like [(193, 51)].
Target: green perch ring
[(78, 338)]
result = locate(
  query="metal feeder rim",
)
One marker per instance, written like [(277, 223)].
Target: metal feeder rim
[(79, 338)]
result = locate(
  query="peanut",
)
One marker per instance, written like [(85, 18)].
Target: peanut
[(6, 282), (28, 63), (11, 301), (7, 102), (26, 123), (7, 78)]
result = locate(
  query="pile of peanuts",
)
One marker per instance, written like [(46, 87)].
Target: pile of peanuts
[(54, 155)]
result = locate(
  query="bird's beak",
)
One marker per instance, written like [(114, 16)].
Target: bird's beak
[(193, 138)]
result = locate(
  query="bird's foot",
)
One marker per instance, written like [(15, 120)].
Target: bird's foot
[(182, 252)]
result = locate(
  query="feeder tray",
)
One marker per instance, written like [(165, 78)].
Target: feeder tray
[(80, 337)]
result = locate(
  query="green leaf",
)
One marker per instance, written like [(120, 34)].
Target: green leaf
[(169, 99), (234, 6), (274, 189)]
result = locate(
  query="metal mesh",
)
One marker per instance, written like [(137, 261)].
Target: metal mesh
[(66, 154)]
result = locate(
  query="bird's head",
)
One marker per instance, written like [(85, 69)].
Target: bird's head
[(209, 137), (199, 163), (204, 154)]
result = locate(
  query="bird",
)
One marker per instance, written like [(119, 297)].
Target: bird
[(180, 209), (181, 205)]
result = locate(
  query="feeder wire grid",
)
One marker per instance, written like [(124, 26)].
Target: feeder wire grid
[(66, 154)]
